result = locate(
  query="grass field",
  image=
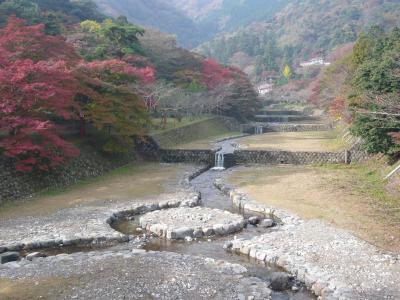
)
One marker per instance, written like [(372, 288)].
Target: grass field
[(198, 134), (207, 143), (173, 123), (294, 141), (350, 197)]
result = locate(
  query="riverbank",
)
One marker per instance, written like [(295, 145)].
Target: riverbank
[(349, 197)]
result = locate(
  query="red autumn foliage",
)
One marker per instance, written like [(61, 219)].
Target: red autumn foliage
[(315, 91), (32, 90), (145, 75), (214, 74), (19, 41)]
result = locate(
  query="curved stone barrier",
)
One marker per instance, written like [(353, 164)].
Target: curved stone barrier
[(89, 225), (243, 203), (331, 262), (182, 223)]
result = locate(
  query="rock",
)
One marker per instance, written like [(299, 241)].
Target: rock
[(138, 251), (219, 229), (33, 255), (208, 231), (180, 233), (254, 220), (198, 233), (3, 249), (228, 245), (280, 281), (266, 223), (8, 257)]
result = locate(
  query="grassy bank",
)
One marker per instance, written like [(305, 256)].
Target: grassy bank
[(193, 135), (294, 141), (351, 197)]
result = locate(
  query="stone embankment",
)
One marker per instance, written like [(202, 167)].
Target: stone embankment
[(332, 262), (286, 127), (288, 157), (15, 185), (85, 225), (188, 223), (187, 156)]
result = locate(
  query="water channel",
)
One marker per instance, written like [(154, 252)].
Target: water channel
[(213, 247)]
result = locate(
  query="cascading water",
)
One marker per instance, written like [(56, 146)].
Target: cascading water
[(219, 161), (258, 130)]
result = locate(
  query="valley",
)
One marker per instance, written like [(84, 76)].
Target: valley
[(200, 149)]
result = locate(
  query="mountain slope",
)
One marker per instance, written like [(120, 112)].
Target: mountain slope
[(301, 30), (197, 9), (193, 21), (156, 14)]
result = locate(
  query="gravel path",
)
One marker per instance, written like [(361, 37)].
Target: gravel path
[(134, 275)]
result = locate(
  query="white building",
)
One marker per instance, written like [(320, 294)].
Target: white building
[(317, 61), (265, 88)]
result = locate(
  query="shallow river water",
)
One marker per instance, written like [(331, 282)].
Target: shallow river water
[(213, 247)]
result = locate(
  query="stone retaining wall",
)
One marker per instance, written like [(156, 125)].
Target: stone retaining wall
[(287, 157), (15, 185), (250, 128), (188, 156)]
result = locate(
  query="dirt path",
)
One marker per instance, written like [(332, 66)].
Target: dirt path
[(126, 183), (337, 195)]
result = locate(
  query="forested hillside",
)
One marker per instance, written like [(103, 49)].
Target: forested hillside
[(158, 14), (301, 30), (362, 88), (193, 21), (66, 70)]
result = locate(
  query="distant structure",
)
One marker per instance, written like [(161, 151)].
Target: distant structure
[(265, 88), (317, 61), (266, 85)]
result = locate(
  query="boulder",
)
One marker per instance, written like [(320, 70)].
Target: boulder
[(266, 223), (34, 255), (280, 281), (254, 220), (8, 257)]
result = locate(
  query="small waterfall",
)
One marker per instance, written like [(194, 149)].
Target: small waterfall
[(219, 161), (258, 130)]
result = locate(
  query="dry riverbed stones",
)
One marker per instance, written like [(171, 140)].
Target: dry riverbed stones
[(129, 274), (186, 223)]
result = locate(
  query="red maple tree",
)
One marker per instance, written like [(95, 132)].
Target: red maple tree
[(42, 79), (32, 90), (214, 74)]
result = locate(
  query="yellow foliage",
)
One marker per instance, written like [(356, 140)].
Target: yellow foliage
[(91, 26), (287, 72)]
